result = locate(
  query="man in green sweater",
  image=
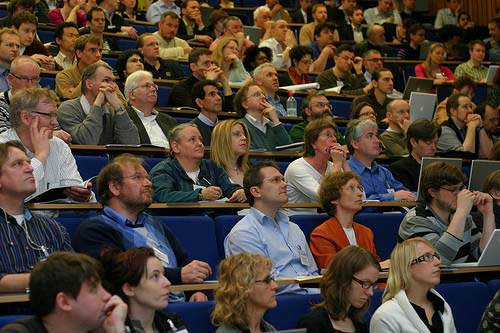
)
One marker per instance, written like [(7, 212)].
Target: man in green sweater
[(261, 118), (394, 137), (314, 106)]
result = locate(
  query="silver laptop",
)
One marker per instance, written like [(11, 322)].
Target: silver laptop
[(479, 171), (417, 84), (428, 160), (490, 76), (490, 255), (422, 105), (253, 33)]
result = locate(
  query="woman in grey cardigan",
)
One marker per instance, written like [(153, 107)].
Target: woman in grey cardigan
[(410, 304), (246, 291)]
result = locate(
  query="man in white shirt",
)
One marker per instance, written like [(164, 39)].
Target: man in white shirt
[(281, 42), (34, 117), (171, 47), (65, 37), (142, 94), (384, 12), (448, 15)]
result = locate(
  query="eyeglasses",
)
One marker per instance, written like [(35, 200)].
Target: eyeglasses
[(137, 178), (148, 85), (27, 79), (267, 280), (321, 105), (453, 190), (306, 61), (375, 60), (50, 115), (275, 180), (257, 94), (365, 284), (353, 188), (427, 257)]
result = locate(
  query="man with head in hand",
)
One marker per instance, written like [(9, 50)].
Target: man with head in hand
[(33, 114)]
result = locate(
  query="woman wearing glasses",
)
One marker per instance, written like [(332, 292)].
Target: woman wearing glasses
[(322, 155), (301, 57), (410, 304), (246, 291), (226, 56), (346, 289), (341, 196)]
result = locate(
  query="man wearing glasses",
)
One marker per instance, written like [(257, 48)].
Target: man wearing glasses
[(33, 114), (142, 93), (444, 218), (98, 117), (24, 73)]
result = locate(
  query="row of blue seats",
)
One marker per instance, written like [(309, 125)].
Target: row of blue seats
[(207, 242), (467, 300)]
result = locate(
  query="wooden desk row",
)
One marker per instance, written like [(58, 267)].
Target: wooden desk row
[(212, 285), (205, 205)]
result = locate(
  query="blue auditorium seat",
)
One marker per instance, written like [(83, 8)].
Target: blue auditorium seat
[(185, 69), (90, 166), (289, 310), (196, 315), (385, 227), (468, 301), (223, 225), (71, 224), (307, 223), (4, 320), (48, 82), (164, 95), (150, 162), (341, 108), (125, 44), (110, 61), (46, 36), (197, 236), (282, 165), (494, 286)]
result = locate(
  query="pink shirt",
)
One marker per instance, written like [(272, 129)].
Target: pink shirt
[(420, 72), (56, 17)]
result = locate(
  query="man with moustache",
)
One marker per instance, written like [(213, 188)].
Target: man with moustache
[(444, 217), (364, 146), (267, 231), (33, 113), (25, 237), (125, 191), (320, 15)]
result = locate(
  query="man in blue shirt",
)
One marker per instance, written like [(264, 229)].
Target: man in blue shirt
[(266, 76), (125, 190), (364, 145), (156, 9), (25, 238), (267, 231)]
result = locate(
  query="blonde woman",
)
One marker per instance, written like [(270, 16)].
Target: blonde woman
[(410, 304), (226, 57), (232, 134), (246, 291), (432, 67)]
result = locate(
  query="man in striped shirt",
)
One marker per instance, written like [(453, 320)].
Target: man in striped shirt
[(25, 237), (444, 218)]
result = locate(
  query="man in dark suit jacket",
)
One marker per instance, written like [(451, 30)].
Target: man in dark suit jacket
[(142, 93), (340, 15), (303, 13), (347, 30), (191, 25)]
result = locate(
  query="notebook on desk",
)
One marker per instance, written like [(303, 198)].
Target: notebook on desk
[(490, 255), (417, 84), (479, 171), (492, 72)]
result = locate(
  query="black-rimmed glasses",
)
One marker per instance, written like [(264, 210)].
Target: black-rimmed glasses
[(365, 284)]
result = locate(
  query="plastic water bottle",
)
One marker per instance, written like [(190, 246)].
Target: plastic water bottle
[(291, 105)]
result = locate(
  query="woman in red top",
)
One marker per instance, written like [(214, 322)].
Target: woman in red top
[(432, 66), (341, 196), (301, 57), (71, 11)]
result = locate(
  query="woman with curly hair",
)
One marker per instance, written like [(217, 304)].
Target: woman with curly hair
[(232, 134), (346, 289), (410, 304), (128, 62), (137, 276), (246, 291), (226, 57)]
